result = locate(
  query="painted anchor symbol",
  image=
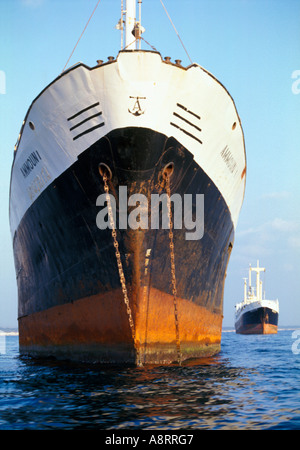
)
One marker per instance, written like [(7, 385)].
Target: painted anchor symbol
[(136, 110)]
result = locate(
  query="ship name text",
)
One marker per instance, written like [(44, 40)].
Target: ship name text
[(38, 183), (229, 159), (27, 167)]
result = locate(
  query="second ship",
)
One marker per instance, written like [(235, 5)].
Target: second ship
[(256, 314)]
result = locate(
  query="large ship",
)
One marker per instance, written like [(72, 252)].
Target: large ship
[(98, 278), (256, 315)]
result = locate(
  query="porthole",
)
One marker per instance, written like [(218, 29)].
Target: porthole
[(234, 125), (31, 125)]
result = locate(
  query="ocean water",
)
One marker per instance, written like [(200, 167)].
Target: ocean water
[(254, 383)]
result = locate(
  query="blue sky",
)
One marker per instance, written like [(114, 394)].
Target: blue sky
[(251, 46)]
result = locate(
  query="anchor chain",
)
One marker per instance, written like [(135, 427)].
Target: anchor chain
[(121, 271), (120, 265), (173, 272)]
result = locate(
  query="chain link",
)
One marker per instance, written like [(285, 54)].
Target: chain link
[(173, 272), (119, 264), (121, 271)]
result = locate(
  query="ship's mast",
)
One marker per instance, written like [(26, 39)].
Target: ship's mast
[(130, 20), (133, 28), (258, 283), (245, 290), (250, 284), (140, 28)]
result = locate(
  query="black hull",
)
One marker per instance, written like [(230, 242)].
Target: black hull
[(62, 258), (258, 321)]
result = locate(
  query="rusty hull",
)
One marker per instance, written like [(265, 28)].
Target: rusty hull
[(97, 329), (259, 328), (70, 299)]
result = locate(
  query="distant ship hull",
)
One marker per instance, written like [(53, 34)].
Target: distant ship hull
[(71, 304), (261, 320)]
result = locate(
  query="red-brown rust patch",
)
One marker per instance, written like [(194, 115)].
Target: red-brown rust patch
[(260, 328), (155, 321), (100, 324), (268, 328), (99, 318), (243, 173)]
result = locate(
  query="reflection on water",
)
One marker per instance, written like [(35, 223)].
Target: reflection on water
[(214, 393)]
